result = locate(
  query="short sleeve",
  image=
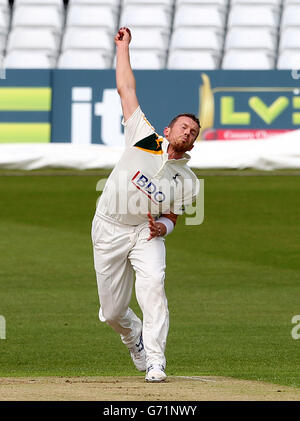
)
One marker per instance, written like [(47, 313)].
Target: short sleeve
[(137, 127)]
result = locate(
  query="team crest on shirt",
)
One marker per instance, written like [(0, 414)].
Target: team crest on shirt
[(148, 187), (151, 144)]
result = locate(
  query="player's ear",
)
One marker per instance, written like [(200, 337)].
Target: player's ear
[(166, 132)]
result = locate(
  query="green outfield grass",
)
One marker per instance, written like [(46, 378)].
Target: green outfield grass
[(233, 283)]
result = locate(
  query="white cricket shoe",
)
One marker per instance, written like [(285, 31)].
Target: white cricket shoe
[(156, 373), (138, 355)]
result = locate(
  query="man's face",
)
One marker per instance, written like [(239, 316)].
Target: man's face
[(182, 134)]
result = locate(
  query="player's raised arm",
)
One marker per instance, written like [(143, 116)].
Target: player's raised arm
[(125, 79)]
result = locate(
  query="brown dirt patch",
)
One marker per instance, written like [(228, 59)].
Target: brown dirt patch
[(179, 388)]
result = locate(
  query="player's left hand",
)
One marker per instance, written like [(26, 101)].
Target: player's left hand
[(155, 230)]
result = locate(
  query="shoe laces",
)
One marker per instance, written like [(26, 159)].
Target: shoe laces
[(138, 347), (153, 366)]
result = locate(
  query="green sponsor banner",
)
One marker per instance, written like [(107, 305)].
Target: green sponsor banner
[(25, 132), (25, 99)]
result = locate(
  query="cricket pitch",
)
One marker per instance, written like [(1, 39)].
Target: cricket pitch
[(175, 388)]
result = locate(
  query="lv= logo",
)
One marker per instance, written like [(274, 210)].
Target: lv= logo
[(256, 100)]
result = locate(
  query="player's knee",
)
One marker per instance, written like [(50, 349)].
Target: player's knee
[(152, 284), (157, 278), (110, 315)]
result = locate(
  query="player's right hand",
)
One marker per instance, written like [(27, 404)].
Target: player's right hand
[(123, 36)]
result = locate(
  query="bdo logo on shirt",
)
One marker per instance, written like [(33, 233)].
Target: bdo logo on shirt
[(148, 187)]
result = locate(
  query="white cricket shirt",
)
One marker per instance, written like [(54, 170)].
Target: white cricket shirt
[(145, 179)]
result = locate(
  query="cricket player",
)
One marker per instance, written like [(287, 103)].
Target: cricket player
[(138, 208)]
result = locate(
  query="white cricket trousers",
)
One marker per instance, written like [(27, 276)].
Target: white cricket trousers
[(120, 251)]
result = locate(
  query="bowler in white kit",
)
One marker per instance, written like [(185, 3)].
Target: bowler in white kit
[(143, 196)]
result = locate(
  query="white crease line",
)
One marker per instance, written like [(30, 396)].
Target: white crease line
[(196, 378)]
